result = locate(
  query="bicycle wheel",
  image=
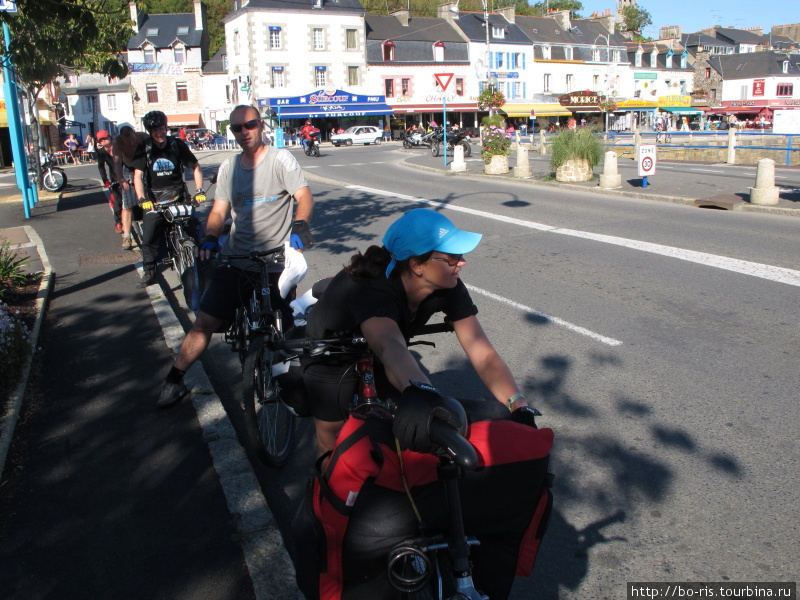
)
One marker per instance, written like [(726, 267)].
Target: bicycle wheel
[(174, 248), (269, 422)]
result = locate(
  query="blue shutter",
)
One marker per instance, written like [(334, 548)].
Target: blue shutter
[(508, 60), (524, 89), (523, 61)]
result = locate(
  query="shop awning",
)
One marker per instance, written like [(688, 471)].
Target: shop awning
[(44, 115), (332, 110), (736, 110), (681, 110), (183, 119), (551, 109)]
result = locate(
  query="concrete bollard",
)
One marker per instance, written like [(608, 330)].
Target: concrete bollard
[(765, 192), (610, 179), (523, 167), (731, 159), (637, 141), (542, 142), (458, 164)]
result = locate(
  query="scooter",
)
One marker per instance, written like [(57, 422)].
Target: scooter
[(419, 140), (312, 147), (454, 138)]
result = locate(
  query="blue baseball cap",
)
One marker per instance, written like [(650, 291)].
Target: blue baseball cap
[(422, 230)]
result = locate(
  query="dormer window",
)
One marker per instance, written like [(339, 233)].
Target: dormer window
[(568, 52), (388, 51), (438, 52), (179, 52), (546, 52), (637, 61), (653, 59), (669, 60), (595, 54), (149, 54), (498, 32)]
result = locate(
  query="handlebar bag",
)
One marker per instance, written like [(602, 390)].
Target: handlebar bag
[(357, 509)]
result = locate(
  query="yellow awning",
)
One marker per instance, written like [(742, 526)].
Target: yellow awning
[(44, 115), (549, 109), (3, 116)]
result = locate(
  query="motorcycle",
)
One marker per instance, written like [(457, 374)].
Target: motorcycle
[(417, 140), (312, 147), (53, 178), (454, 138)]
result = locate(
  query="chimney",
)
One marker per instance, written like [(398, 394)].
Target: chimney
[(508, 12), (134, 16), (404, 16), (561, 17), (198, 15), (448, 11)]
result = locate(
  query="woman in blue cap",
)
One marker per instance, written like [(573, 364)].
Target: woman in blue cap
[(386, 294)]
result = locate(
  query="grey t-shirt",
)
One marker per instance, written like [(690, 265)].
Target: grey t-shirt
[(261, 200)]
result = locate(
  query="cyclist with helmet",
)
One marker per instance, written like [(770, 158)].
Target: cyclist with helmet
[(158, 176)]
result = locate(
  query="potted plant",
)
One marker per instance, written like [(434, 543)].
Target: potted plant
[(496, 145), (491, 99), (575, 153)]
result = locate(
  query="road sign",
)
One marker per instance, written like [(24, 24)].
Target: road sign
[(533, 114), (8, 6), (443, 79), (647, 160)]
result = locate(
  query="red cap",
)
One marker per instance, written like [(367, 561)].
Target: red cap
[(102, 134)]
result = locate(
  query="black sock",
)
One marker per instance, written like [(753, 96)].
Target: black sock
[(175, 375)]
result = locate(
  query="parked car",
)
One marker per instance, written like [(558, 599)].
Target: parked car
[(360, 134)]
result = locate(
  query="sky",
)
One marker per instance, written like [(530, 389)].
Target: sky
[(693, 15)]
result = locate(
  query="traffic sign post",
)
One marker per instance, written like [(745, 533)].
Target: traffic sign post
[(646, 160), (444, 79)]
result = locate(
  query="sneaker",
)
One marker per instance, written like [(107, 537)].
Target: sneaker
[(126, 242), (171, 393), (118, 228)]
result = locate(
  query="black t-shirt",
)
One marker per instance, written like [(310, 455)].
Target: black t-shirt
[(347, 303), (105, 161), (164, 170)]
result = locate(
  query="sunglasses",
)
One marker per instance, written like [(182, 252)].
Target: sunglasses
[(452, 260), (250, 125)]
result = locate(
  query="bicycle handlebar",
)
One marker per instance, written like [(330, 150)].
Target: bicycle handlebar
[(252, 255), (448, 439)]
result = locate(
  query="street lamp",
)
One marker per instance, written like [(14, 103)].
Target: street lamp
[(608, 72)]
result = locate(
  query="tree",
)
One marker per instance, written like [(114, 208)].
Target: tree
[(573, 6), (635, 19)]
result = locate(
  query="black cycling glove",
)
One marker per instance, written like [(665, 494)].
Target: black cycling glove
[(301, 235), (526, 416), (418, 406)]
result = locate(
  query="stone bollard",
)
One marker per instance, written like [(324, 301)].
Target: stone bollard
[(542, 142), (637, 141), (765, 192), (610, 179), (458, 164), (731, 160), (523, 167)]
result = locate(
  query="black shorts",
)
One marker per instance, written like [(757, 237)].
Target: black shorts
[(230, 288)]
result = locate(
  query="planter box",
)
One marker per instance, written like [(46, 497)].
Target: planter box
[(574, 170), (497, 166)]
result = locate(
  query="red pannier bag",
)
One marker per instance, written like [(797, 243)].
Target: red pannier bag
[(358, 509)]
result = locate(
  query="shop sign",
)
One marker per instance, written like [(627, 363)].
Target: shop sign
[(636, 104), (792, 102), (758, 87), (675, 101), (439, 97), (742, 103), (579, 99), (645, 75), (505, 75), (320, 97)]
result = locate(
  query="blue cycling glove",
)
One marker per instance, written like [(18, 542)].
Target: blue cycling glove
[(301, 235), (210, 243)]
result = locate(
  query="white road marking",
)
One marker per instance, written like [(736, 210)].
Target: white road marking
[(706, 171), (769, 272), (561, 322)]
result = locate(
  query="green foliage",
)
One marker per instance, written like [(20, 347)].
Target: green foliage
[(49, 37), (14, 346), (635, 19), (575, 144), (573, 6), (11, 268)]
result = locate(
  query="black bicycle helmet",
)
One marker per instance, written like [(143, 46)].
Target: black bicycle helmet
[(153, 119)]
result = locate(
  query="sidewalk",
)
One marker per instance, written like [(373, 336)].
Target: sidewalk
[(665, 187), (104, 496)]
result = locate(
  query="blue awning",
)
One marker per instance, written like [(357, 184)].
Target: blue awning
[(331, 110)]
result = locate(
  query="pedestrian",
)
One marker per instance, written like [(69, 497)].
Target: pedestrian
[(262, 188), (89, 145), (105, 164), (124, 146), (71, 144)]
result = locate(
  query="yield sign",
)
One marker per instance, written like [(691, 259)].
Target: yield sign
[(443, 79)]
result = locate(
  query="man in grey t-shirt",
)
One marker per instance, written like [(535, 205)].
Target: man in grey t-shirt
[(259, 188)]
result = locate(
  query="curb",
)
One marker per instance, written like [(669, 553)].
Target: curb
[(12, 410), (745, 207)]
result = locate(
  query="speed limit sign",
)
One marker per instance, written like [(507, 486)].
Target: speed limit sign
[(647, 160)]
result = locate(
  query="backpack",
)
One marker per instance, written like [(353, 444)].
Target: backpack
[(358, 509)]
